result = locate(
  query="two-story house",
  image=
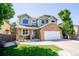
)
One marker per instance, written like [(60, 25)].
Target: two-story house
[(42, 28)]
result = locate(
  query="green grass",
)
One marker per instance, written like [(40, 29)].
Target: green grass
[(31, 50), (52, 47)]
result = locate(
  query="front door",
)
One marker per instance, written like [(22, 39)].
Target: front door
[(35, 34)]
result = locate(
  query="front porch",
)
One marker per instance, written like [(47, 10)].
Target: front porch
[(34, 34), (28, 34)]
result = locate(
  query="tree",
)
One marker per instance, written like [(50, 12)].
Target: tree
[(67, 24), (61, 27), (6, 12)]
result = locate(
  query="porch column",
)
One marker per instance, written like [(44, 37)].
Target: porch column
[(30, 32)]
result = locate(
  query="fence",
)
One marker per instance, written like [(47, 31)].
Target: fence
[(7, 38)]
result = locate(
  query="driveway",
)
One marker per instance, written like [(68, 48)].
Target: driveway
[(71, 46)]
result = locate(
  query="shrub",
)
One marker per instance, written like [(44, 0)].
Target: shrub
[(28, 51)]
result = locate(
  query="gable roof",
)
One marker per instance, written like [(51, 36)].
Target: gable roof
[(39, 18), (7, 22), (34, 27), (23, 15), (45, 16), (47, 24)]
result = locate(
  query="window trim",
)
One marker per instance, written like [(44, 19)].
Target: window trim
[(25, 34), (47, 21), (43, 21), (53, 21), (22, 21), (33, 21)]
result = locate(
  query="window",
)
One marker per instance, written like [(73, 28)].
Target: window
[(25, 31), (34, 20), (25, 21), (53, 21), (42, 21), (7, 31), (46, 21)]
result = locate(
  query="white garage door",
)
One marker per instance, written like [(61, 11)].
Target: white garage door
[(52, 35)]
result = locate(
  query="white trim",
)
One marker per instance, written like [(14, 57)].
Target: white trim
[(22, 21), (54, 35), (33, 27), (25, 27)]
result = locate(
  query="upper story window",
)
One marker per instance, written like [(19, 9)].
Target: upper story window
[(52, 21), (46, 21), (42, 21), (34, 20), (25, 21)]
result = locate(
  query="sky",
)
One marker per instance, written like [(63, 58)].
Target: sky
[(39, 9)]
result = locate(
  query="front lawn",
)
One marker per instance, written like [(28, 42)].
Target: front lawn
[(31, 50)]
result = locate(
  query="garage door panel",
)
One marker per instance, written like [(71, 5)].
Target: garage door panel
[(52, 35)]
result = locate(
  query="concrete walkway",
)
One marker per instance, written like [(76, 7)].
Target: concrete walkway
[(70, 46)]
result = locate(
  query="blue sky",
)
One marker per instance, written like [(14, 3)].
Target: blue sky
[(39, 9)]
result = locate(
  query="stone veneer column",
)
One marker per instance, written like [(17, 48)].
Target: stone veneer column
[(30, 33)]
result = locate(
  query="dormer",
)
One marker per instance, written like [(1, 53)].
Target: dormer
[(24, 19)]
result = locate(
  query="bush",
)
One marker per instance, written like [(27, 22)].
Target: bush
[(28, 51), (73, 37), (1, 48)]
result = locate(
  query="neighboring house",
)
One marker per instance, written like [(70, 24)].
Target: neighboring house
[(76, 28), (42, 28), (13, 28), (5, 28)]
